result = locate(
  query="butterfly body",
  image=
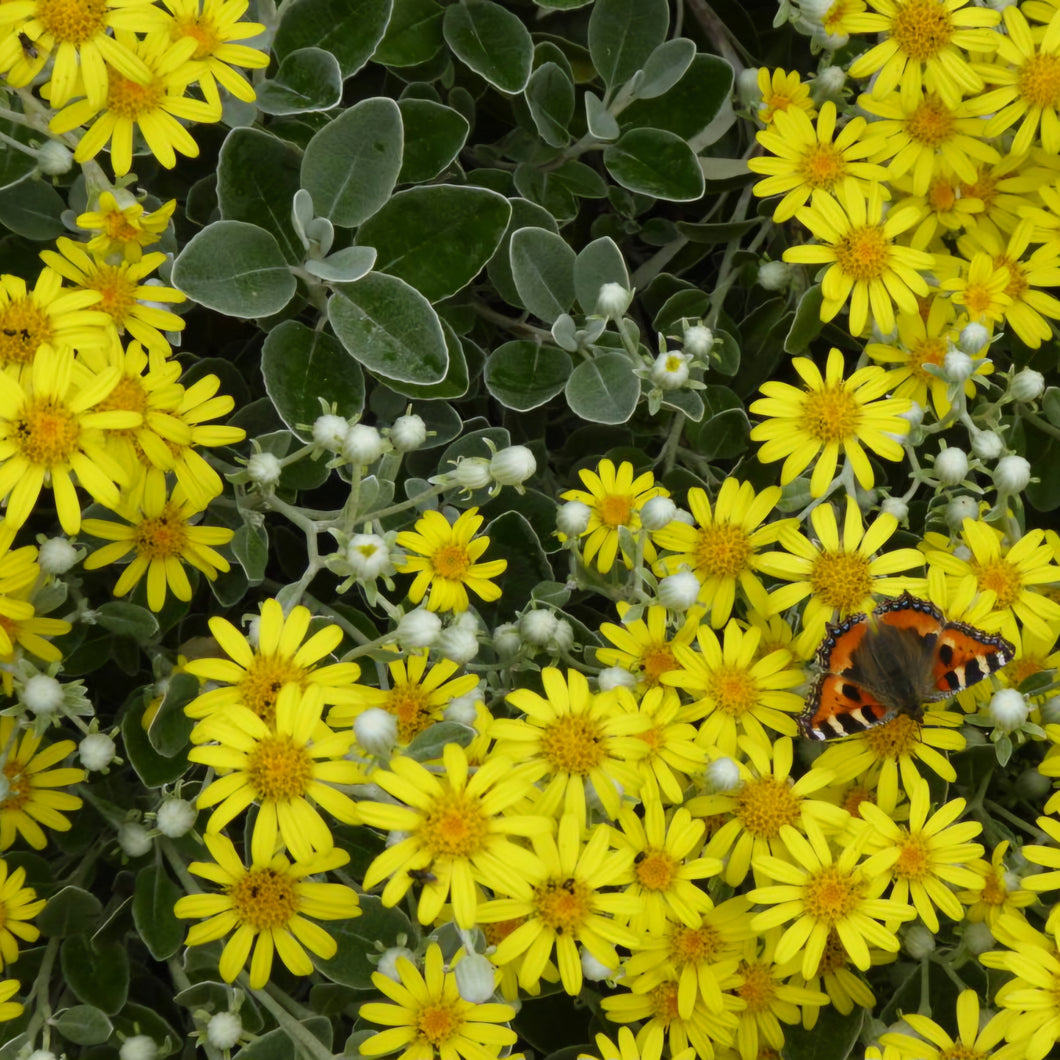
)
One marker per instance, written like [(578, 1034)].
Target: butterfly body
[(903, 655)]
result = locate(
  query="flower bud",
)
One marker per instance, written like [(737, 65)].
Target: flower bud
[(223, 1030), (747, 87), (368, 556), (774, 275), (134, 840), (895, 506), (978, 937), (264, 469), (914, 415), (175, 817), (1032, 785), (475, 975), (951, 466), (987, 445), (57, 555), (919, 941), (42, 694), (458, 643), (512, 466), (363, 445), (957, 366), (419, 628), (1008, 709), (615, 677), (138, 1047), (698, 340), (54, 159), (472, 473), (1050, 711), (329, 432), (1027, 385), (594, 970), (408, 433), (972, 339), (464, 709), (573, 518), (562, 638), (507, 641), (376, 731), (613, 300), (537, 627), (388, 961), (1012, 474), (959, 509), (679, 591), (722, 775), (96, 751), (830, 83), (670, 370), (657, 513)]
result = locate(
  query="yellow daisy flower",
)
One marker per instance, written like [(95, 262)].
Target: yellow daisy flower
[(164, 535), (865, 263), (844, 986), (11, 1010), (123, 228), (976, 1036), (782, 92), (427, 1018), (1003, 190), (284, 770), (644, 646), (446, 564), (829, 415), (942, 205), (982, 289), (997, 892), (18, 906), (722, 548), (266, 907), (614, 497), (458, 828), (20, 626), (625, 1048), (31, 801)]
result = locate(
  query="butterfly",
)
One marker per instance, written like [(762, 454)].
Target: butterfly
[(893, 662)]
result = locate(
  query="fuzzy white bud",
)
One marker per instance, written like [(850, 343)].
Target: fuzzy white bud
[(472, 473), (658, 512), (57, 555), (254, 632), (475, 975), (459, 642), (562, 637), (537, 627), (895, 506), (987, 445), (388, 961), (329, 432), (670, 370), (264, 469), (96, 751), (679, 591), (464, 709), (42, 694), (972, 339), (919, 941), (134, 840), (959, 509), (593, 970), (747, 86), (1027, 385), (957, 366), (573, 518), (774, 275), (512, 466), (419, 628), (722, 774), (978, 937), (613, 300), (615, 677), (408, 433), (224, 1029), (1012, 474), (698, 340), (138, 1047), (1050, 711), (54, 159), (830, 82), (1008, 709), (376, 731), (914, 415), (951, 466), (175, 817), (368, 556), (363, 445), (506, 640), (42, 1054)]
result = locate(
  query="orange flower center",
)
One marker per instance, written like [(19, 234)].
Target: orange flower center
[(564, 906), (451, 561), (831, 415), (864, 252), (132, 101), (1003, 578), (455, 826), (23, 327), (574, 744), (163, 536), (832, 895), (1039, 80), (842, 580), (47, 432), (758, 988), (279, 769), (764, 804), (439, 1021), (663, 1001), (73, 21), (722, 551), (264, 899), (822, 166), (733, 690), (931, 123), (895, 738), (408, 703), (694, 945), (922, 28), (264, 678), (205, 34), (1017, 280), (615, 509), (655, 870)]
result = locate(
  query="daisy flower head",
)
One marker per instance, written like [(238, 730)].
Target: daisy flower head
[(624, 1048), (998, 891), (781, 92), (446, 561), (977, 1036), (22, 630), (829, 415), (924, 44), (845, 988), (644, 646), (51, 431), (18, 906), (32, 799), (841, 572), (736, 690), (427, 1018), (121, 226), (589, 745), (866, 265), (806, 158), (614, 497), (722, 547), (981, 288), (285, 769), (164, 535), (267, 908), (458, 825), (944, 208)]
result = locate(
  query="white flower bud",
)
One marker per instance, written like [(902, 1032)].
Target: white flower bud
[(368, 556), (722, 775), (474, 978), (376, 731), (134, 839), (54, 159), (419, 628), (223, 1030), (1012, 474), (254, 631), (57, 555), (774, 275), (42, 694), (1008, 709), (175, 817), (959, 509), (698, 340), (42, 1054), (594, 970), (830, 82), (679, 591), (972, 339), (615, 677), (951, 466), (388, 961), (96, 751), (670, 370), (562, 637), (506, 640), (1027, 385), (919, 941), (464, 709), (512, 466), (658, 512), (363, 445), (978, 937), (573, 518), (472, 473), (613, 300), (987, 445), (914, 415), (138, 1047), (329, 432), (1031, 784), (957, 366), (747, 86), (537, 627), (1050, 711), (264, 469), (895, 506), (408, 433), (458, 643)]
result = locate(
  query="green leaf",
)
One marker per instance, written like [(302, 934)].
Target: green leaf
[(1051, 405), (152, 768), (170, 729), (833, 1037), (600, 121), (351, 165), (390, 328), (413, 34), (623, 33), (525, 214), (70, 912), (434, 136), (16, 165), (98, 975), (357, 938), (665, 67), (807, 323), (344, 266), (513, 538), (308, 79), (598, 263), (543, 271), (301, 365), (437, 238), (236, 268), (492, 41), (125, 619), (690, 106), (550, 96), (152, 912), (657, 163), (717, 232), (428, 745), (457, 377), (257, 177), (725, 356), (524, 375), (603, 390), (250, 546), (32, 209), (82, 1025), (351, 32)]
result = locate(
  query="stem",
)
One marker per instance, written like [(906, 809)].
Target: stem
[(308, 1045)]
